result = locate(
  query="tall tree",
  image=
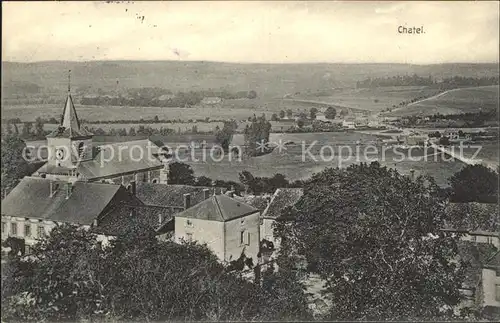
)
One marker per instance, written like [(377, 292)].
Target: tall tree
[(180, 173), (312, 113), (14, 163), (225, 135), (70, 276), (330, 113), (375, 237), (282, 114), (257, 136), (39, 131), (474, 183)]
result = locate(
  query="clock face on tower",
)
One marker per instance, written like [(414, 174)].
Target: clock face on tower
[(60, 154)]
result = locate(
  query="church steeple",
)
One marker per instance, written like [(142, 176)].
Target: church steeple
[(70, 124), (69, 117)]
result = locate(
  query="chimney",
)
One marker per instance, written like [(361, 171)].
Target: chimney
[(187, 201), (69, 189), (51, 185), (206, 193), (160, 218), (133, 187), (95, 223)]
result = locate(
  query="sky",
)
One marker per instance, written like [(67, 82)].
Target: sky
[(251, 31)]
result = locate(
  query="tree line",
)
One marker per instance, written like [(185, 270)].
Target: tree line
[(157, 97), (400, 80)]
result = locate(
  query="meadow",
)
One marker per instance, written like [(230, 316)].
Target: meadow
[(374, 100), (463, 100)]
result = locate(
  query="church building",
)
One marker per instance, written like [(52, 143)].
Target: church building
[(73, 156)]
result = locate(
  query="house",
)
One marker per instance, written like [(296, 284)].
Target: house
[(475, 222), (227, 226), (37, 205), (481, 287), (211, 100), (281, 199), (349, 124), (168, 200), (72, 155)]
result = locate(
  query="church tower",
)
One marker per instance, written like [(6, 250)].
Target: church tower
[(70, 143)]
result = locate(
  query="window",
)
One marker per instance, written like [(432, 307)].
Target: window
[(244, 238), (189, 223), (41, 231), (4, 227), (81, 147), (27, 230), (497, 291), (242, 221), (13, 229)]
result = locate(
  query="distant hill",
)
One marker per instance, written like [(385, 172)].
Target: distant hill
[(457, 101), (269, 80)]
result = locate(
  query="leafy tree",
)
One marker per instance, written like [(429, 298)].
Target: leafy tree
[(445, 141), (14, 164), (257, 136), (274, 117), (289, 113), (330, 113), (300, 123), (136, 277), (27, 129), (156, 119), (375, 237), (252, 94), (312, 113), (203, 181), (282, 114), (9, 129), (131, 131), (39, 132), (474, 183), (180, 173), (225, 135)]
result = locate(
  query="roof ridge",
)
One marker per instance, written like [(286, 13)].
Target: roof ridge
[(218, 207), (271, 201)]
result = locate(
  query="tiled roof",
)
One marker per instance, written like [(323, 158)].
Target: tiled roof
[(126, 218), (218, 208), (282, 198), (258, 202), (474, 216), (123, 158), (31, 199), (167, 195)]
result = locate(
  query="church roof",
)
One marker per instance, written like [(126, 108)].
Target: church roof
[(70, 124), (116, 159), (220, 208), (31, 199)]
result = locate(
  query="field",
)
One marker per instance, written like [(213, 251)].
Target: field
[(296, 163), (454, 102), (374, 100), (269, 80)]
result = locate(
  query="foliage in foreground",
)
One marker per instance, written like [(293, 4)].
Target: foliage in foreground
[(374, 236), (69, 276)]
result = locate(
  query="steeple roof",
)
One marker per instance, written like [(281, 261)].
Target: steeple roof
[(70, 125)]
